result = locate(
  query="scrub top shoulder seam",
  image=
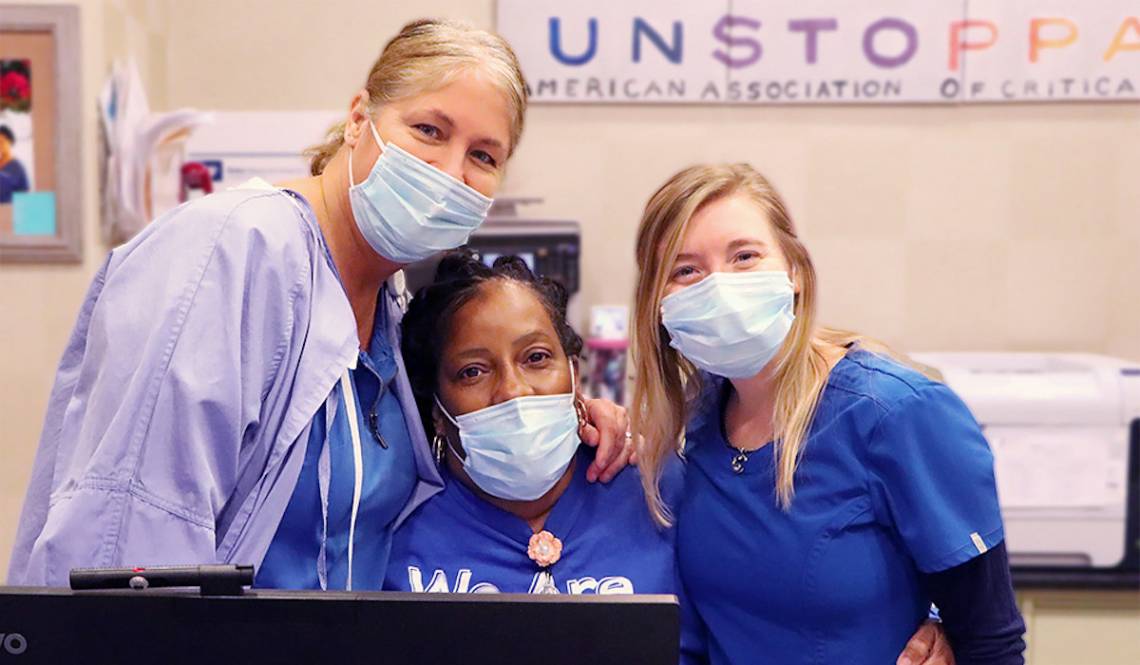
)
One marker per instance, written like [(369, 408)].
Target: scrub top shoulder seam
[(895, 374)]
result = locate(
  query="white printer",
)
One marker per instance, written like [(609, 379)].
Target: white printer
[(1059, 426)]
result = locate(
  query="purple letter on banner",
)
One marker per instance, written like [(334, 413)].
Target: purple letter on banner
[(890, 24), (721, 32), (812, 26), (556, 44), (640, 26)]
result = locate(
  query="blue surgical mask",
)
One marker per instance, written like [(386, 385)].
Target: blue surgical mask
[(408, 209), (731, 324), (518, 449)]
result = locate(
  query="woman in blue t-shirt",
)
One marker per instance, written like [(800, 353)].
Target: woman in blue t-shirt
[(492, 361), (831, 493), (493, 364)]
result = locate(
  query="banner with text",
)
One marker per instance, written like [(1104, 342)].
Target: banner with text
[(825, 51)]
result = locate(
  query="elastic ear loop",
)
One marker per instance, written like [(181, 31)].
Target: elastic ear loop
[(379, 144), (579, 401)]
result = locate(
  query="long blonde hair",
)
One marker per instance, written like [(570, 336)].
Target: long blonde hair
[(666, 384), (426, 55)]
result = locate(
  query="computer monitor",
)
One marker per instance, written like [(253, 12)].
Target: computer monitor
[(128, 627)]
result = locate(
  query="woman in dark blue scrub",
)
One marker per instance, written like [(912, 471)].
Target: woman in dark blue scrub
[(832, 493)]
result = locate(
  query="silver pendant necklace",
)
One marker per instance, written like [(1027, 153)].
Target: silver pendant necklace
[(739, 459)]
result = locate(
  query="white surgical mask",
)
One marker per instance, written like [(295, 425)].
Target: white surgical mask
[(518, 449), (408, 209), (731, 324)]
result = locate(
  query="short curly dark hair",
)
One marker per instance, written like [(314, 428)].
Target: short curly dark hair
[(458, 279)]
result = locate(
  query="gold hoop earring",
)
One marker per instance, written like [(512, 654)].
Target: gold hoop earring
[(437, 443), (582, 412)]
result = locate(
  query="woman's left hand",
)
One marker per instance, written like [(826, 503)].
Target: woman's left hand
[(606, 430), (928, 646)]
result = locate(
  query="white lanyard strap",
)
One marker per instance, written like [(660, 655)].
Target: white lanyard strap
[(357, 464), (324, 474)]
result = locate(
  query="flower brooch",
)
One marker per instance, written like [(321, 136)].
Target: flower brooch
[(544, 549)]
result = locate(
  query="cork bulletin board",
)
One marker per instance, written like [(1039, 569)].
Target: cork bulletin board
[(40, 162)]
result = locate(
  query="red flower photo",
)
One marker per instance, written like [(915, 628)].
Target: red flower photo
[(15, 86)]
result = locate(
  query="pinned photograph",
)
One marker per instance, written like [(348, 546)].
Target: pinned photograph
[(17, 152)]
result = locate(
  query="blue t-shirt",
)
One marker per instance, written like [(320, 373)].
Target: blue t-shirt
[(12, 180), (389, 477), (896, 479), (457, 542)]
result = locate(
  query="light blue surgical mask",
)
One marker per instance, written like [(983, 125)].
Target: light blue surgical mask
[(519, 449), (731, 324), (408, 209)]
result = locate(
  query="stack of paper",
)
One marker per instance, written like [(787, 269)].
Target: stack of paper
[(144, 153)]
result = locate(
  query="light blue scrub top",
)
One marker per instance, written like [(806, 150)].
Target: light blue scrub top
[(896, 480), (178, 421)]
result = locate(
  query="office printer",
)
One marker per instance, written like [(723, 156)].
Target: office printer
[(1060, 426), (551, 248)]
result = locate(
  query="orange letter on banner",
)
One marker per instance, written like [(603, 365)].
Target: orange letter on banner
[(1035, 41), (959, 44), (1118, 44)]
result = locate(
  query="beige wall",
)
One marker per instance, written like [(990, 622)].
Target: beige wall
[(1000, 227), (983, 227), (139, 29), (987, 227), (38, 303), (1081, 628)]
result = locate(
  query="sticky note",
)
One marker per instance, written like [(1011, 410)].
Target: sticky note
[(33, 213)]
